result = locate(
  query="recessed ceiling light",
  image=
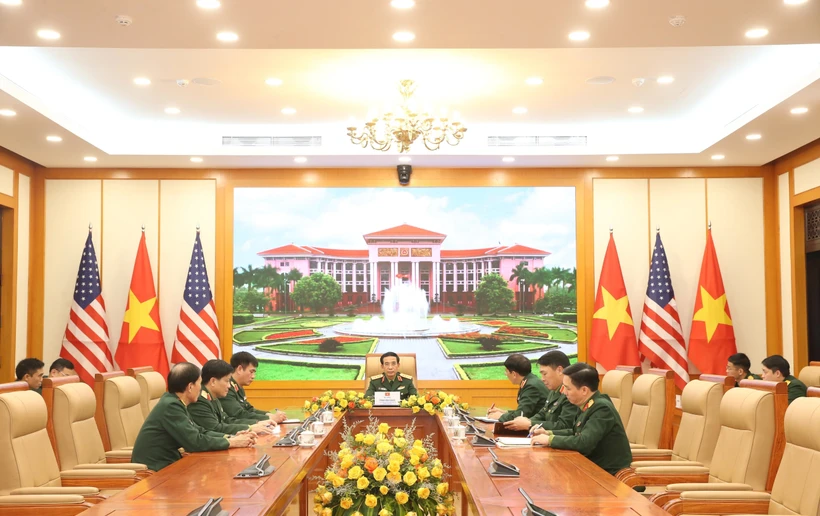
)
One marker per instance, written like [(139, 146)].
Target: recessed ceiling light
[(300, 159), (756, 33), (601, 79), (273, 81), (508, 159), (54, 138), (666, 79), (800, 110), (753, 136), (612, 158), (142, 81), (404, 36), (11, 2), (172, 111), (208, 4), (535, 81), (635, 109), (196, 159), (579, 35), (520, 110), (597, 4), (404, 159), (794, 2), (90, 159), (402, 4), (227, 37), (48, 34), (718, 157), (7, 112), (288, 111)]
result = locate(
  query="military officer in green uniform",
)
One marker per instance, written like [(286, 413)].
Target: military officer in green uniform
[(738, 367), (236, 404), (207, 410), (557, 413), (30, 370), (169, 426), (532, 393), (598, 433), (777, 369), (391, 380)]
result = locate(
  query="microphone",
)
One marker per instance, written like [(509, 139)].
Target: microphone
[(499, 468)]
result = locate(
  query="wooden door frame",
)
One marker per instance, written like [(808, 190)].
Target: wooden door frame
[(8, 287)]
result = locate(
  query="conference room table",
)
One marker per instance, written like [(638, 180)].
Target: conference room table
[(563, 482)]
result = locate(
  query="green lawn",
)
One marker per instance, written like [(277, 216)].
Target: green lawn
[(247, 337), (278, 370), (455, 348), (563, 335), (495, 370), (355, 349)]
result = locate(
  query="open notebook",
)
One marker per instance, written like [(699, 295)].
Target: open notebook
[(513, 442)]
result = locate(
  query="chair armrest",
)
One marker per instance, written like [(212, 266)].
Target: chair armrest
[(715, 486), (99, 478), (55, 491), (719, 502), (662, 475), (665, 464), (42, 500), (643, 454), (635, 446), (122, 465), (119, 454)]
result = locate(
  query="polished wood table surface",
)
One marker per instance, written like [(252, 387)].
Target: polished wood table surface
[(563, 482)]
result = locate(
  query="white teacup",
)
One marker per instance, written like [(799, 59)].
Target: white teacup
[(307, 438), (318, 427), (449, 411), (327, 417), (459, 432), (452, 421)]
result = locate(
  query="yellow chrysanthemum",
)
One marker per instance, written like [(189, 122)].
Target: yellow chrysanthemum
[(437, 462), (400, 442), (396, 457), (465, 406), (421, 401), (320, 490), (384, 490), (423, 473), (340, 395), (394, 477), (418, 443), (362, 483), (384, 428), (314, 407), (359, 438), (437, 472), (441, 510), (371, 501), (428, 407), (398, 433), (367, 405), (393, 467), (354, 473), (414, 460), (338, 481), (385, 512), (327, 497), (317, 509), (369, 439), (410, 478), (307, 404), (423, 493), (402, 497), (346, 503), (379, 473), (327, 511), (443, 488), (384, 448), (346, 462), (416, 410)]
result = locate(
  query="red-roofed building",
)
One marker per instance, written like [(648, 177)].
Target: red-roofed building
[(405, 253)]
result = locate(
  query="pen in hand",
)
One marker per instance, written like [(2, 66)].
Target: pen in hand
[(533, 429), (490, 409)]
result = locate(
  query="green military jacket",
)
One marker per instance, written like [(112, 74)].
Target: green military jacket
[(208, 413), (236, 405), (797, 389), (598, 434), (402, 383), (750, 376), (558, 413), (167, 429), (532, 394)]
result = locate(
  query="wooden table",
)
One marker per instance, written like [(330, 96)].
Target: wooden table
[(560, 481)]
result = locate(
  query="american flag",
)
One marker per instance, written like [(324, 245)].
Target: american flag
[(661, 337), (85, 342), (197, 339)]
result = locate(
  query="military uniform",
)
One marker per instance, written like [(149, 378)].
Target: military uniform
[(167, 429), (236, 405), (558, 413), (598, 434), (749, 376), (532, 394), (208, 413), (401, 383), (797, 389)]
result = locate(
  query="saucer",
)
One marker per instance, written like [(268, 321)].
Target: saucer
[(303, 445), (328, 422)]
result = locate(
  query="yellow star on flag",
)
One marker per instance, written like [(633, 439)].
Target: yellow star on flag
[(138, 315), (712, 313), (614, 312)]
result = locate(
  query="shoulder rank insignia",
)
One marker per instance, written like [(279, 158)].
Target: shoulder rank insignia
[(588, 404), (406, 376), (206, 395), (788, 382)]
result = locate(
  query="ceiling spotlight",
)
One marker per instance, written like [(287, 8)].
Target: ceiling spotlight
[(520, 110), (534, 81), (635, 109), (612, 158), (596, 4), (800, 110), (666, 79), (756, 33), (753, 136), (404, 159), (7, 112), (196, 159), (300, 159), (208, 4), (227, 37), (48, 34), (54, 139), (172, 111), (579, 35), (90, 159), (508, 159), (404, 36), (142, 81), (288, 111), (402, 4), (273, 81), (718, 157), (11, 2)]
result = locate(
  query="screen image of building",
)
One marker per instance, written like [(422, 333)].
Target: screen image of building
[(406, 253)]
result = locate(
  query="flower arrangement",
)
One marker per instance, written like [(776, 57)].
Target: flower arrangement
[(376, 473), (291, 334), (341, 401), (432, 402)]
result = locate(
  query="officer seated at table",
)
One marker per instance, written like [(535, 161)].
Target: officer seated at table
[(236, 403), (737, 366), (532, 393), (169, 427), (777, 369), (598, 433), (30, 370), (391, 380), (557, 412)]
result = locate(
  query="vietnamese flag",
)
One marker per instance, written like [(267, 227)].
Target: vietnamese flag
[(141, 341), (712, 338), (612, 340)]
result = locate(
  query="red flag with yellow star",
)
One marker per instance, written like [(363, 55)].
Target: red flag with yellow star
[(141, 341), (612, 340), (712, 338)]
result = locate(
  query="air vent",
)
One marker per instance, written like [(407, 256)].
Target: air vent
[(272, 141), (537, 141)]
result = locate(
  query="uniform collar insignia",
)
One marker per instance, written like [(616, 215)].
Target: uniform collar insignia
[(523, 383), (588, 404), (788, 382), (561, 390), (398, 377)]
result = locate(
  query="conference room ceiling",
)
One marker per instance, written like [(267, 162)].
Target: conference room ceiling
[(337, 61)]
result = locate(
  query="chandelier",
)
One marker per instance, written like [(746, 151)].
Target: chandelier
[(406, 126)]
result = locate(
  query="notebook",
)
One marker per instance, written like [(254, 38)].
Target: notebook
[(513, 442)]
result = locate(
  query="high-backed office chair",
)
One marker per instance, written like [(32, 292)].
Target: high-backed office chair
[(796, 489), (650, 421), (152, 387), (810, 375), (119, 414), (617, 384), (372, 366)]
